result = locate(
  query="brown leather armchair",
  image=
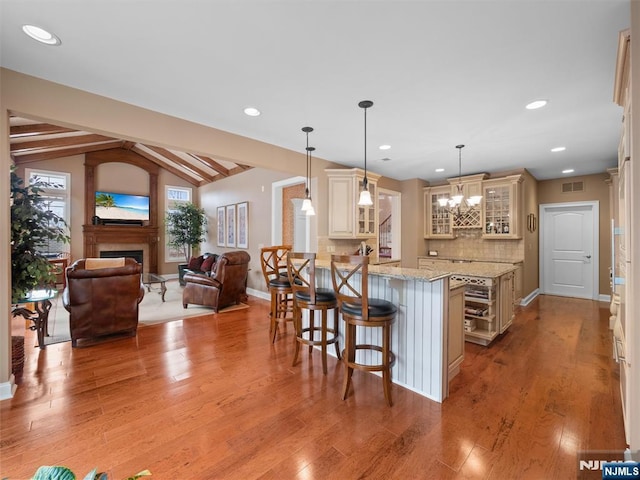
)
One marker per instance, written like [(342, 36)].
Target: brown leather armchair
[(102, 301), (226, 285)]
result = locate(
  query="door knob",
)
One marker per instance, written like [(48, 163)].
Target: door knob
[(587, 256)]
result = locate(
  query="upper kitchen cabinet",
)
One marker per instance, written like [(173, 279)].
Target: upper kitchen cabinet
[(471, 186), (501, 201), (347, 219), (437, 219)]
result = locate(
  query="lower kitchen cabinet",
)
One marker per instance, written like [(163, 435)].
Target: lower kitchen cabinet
[(456, 330)]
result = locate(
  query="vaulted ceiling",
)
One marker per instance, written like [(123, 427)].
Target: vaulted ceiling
[(31, 141), (440, 73)]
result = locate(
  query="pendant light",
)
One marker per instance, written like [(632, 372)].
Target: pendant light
[(307, 206), (365, 196), (458, 205)]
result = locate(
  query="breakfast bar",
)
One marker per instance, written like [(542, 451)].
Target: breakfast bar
[(427, 325), (420, 333)]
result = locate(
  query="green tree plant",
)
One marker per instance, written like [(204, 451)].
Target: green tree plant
[(32, 225), (186, 227)]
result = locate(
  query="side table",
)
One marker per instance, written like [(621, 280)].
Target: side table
[(40, 318)]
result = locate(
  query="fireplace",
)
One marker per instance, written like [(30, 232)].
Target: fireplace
[(137, 255)]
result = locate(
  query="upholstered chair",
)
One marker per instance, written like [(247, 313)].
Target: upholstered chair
[(102, 297), (225, 286)]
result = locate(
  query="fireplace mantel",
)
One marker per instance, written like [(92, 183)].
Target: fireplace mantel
[(96, 235)]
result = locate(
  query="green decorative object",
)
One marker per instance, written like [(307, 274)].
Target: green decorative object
[(63, 473), (186, 228), (32, 225)]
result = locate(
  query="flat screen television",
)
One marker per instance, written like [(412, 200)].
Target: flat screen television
[(122, 206)]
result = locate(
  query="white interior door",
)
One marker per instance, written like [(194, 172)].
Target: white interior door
[(569, 244)]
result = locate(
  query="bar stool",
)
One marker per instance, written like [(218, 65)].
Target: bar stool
[(350, 277), (301, 268), (274, 269)]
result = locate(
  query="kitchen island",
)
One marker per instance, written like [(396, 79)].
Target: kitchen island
[(489, 295), (420, 334)]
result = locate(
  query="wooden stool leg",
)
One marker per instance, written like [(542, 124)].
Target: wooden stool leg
[(297, 321), (386, 372), (312, 328), (350, 356), (336, 323), (272, 325), (324, 341)]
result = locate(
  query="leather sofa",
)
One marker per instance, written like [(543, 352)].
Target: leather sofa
[(102, 301), (224, 287)]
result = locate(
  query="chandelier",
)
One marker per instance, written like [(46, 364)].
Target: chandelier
[(307, 206), (365, 196), (458, 205)]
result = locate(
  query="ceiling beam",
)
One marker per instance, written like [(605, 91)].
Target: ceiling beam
[(211, 163), (64, 152), (181, 161), (176, 171), (18, 131), (59, 142)]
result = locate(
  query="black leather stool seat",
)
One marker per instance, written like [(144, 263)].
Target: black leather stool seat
[(377, 308), (280, 282), (323, 295)]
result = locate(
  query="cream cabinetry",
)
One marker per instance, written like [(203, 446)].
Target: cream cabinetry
[(506, 312), (346, 218), (501, 202), (433, 264), (437, 219), (455, 343), (518, 280), (470, 186)]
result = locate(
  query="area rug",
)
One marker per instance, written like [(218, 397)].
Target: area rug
[(152, 310)]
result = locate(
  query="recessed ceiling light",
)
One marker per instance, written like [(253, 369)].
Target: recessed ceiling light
[(536, 104), (386, 159), (384, 147), (568, 170), (41, 35), (439, 170), (558, 149), (252, 111)]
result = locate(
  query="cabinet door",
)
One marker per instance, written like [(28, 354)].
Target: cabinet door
[(500, 203), (497, 210), (341, 207), (456, 330), (506, 312), (437, 220), (367, 223)]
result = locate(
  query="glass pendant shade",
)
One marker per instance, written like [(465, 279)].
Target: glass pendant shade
[(310, 211), (365, 199), (306, 205)]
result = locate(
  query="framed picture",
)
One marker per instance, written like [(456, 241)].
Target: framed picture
[(221, 227), (231, 225), (242, 236)]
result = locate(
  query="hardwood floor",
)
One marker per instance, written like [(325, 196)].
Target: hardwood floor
[(211, 397)]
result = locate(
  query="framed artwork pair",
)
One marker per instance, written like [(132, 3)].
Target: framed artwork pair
[(233, 225)]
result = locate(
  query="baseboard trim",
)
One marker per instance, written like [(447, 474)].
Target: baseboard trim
[(530, 298), (7, 389), (259, 294), (604, 298)]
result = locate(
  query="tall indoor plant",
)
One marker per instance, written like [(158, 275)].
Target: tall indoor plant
[(32, 225), (186, 229)]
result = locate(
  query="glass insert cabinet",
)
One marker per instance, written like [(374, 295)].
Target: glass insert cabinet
[(497, 217)]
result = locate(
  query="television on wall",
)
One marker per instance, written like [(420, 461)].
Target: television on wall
[(122, 207)]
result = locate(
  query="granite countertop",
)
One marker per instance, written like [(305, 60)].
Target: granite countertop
[(397, 272), (473, 269), (465, 260)]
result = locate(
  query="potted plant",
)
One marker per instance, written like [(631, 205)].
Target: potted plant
[(32, 226), (185, 230)]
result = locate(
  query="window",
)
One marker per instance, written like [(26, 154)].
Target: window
[(174, 196), (57, 197)]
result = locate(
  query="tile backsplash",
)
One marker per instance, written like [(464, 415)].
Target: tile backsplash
[(470, 245)]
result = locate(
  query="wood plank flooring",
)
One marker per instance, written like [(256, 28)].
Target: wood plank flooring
[(212, 398)]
